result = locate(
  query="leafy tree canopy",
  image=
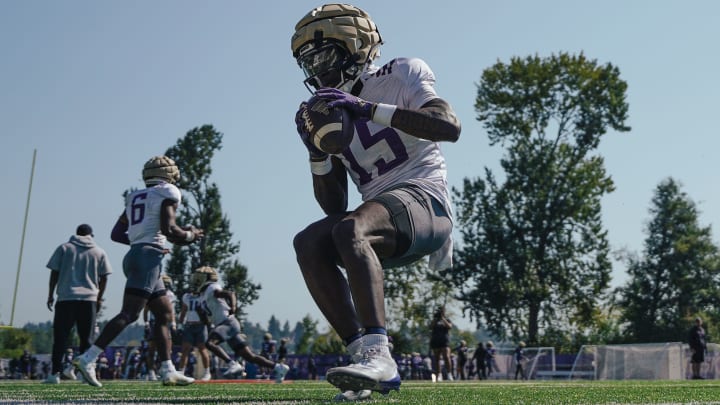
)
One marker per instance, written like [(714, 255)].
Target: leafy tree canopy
[(534, 254)]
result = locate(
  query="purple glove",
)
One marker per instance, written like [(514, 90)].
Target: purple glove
[(315, 153), (338, 98)]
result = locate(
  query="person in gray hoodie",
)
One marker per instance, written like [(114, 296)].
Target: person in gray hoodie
[(79, 270)]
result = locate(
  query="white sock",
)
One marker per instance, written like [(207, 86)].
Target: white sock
[(373, 340), (167, 365)]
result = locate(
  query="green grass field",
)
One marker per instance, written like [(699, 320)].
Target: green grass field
[(411, 392)]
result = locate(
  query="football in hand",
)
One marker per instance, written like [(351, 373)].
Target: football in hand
[(331, 129)]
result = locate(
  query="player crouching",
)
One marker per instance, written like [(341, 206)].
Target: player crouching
[(217, 307)]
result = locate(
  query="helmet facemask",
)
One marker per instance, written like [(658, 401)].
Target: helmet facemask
[(327, 65)]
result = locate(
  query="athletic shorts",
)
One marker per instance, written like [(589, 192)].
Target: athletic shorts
[(228, 329), (698, 356), (142, 266), (421, 223), (194, 333)]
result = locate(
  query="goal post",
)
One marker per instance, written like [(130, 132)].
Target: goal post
[(649, 361), (535, 359)]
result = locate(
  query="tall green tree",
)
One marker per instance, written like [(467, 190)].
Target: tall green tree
[(13, 341), (202, 208), (305, 334), (274, 327), (534, 254), (676, 278)]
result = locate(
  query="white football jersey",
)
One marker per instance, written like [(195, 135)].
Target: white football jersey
[(192, 302), (380, 157), (142, 209), (218, 308)]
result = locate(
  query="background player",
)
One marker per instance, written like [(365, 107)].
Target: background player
[(194, 332), (147, 222), (268, 349), (218, 307), (397, 165)]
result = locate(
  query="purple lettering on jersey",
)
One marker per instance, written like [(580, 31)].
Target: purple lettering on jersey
[(367, 140), (137, 213), (386, 69)]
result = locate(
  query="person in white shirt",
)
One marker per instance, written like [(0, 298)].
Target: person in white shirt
[(194, 333)]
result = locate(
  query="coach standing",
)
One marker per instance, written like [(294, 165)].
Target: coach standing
[(79, 270)]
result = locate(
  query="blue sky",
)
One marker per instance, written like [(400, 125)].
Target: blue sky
[(99, 87)]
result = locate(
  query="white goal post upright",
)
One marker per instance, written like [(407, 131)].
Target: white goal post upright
[(22, 239)]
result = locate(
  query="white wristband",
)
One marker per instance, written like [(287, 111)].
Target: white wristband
[(383, 114), (189, 236), (322, 167)]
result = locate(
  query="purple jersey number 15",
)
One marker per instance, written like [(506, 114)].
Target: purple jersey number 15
[(367, 140)]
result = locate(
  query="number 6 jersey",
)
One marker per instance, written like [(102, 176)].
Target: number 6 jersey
[(142, 209)]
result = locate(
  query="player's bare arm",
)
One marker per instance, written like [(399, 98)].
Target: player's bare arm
[(54, 277), (173, 231), (183, 313), (331, 190)]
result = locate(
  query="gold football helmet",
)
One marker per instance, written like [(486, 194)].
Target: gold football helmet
[(203, 276), (160, 168), (334, 43)]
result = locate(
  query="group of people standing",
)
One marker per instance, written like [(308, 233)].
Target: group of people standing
[(79, 270)]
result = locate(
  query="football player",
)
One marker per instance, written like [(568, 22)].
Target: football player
[(194, 334), (146, 224), (398, 168), (268, 350), (216, 310)]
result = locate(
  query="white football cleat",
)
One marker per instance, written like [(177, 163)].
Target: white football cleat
[(352, 396), (87, 369), (206, 375), (233, 368), (174, 377), (151, 376), (376, 372), (69, 372), (52, 379), (280, 371)]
